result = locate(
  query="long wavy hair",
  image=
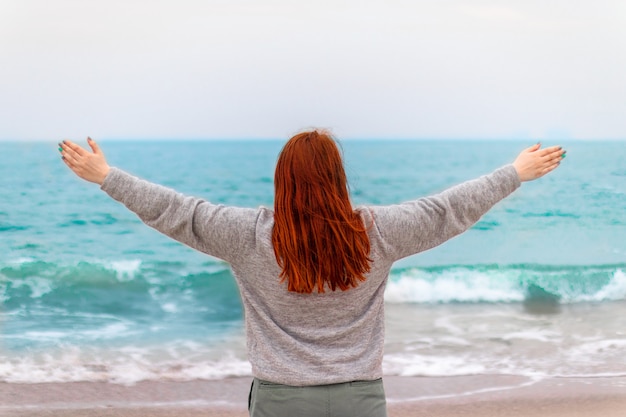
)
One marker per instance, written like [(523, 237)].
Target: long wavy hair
[(318, 239)]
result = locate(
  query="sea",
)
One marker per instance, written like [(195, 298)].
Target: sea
[(89, 293)]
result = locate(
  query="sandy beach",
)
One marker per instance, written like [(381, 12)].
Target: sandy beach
[(511, 396)]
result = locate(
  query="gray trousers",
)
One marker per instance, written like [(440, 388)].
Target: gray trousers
[(349, 399)]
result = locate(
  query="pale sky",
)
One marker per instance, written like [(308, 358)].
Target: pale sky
[(268, 68)]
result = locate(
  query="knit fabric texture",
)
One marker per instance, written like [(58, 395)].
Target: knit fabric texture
[(319, 338)]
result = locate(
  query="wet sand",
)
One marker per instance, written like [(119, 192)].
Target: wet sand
[(483, 396)]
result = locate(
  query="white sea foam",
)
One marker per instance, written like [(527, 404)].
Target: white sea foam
[(70, 335), (505, 285), (614, 290), (38, 286), (20, 261), (425, 365), (124, 366), (44, 335), (533, 334), (169, 307), (599, 347), (454, 341), (531, 381), (445, 323), (125, 269), (470, 363), (109, 331), (186, 360), (454, 285)]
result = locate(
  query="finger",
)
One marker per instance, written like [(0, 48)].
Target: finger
[(94, 146), (76, 148), (556, 157), (69, 163), (66, 162), (551, 149), (550, 168), (69, 153), (554, 162), (69, 158), (560, 154), (535, 147), (75, 152)]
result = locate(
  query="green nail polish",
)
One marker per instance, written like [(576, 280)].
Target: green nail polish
[(562, 156), (60, 149)]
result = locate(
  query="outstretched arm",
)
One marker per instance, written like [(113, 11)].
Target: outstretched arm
[(422, 224), (90, 166), (214, 229)]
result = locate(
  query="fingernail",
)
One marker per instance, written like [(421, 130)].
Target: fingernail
[(563, 156), (60, 149)]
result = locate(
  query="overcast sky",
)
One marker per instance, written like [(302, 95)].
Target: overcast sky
[(268, 68)]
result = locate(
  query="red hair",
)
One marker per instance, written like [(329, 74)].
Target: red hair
[(318, 238)]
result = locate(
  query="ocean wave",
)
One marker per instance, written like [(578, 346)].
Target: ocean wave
[(407, 364), (125, 365), (172, 287), (507, 284), (6, 227), (94, 333), (126, 321), (121, 288)]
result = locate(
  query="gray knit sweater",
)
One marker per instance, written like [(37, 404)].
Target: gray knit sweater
[(310, 339)]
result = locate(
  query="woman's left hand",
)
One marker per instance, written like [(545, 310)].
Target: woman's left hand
[(533, 163), (90, 166)]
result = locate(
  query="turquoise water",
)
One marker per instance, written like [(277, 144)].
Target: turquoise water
[(90, 293)]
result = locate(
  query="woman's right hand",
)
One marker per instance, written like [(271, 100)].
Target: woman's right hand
[(534, 162)]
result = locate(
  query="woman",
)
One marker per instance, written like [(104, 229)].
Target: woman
[(312, 272)]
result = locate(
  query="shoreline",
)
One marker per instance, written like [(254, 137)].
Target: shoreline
[(478, 395)]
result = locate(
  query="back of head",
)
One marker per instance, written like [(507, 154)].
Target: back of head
[(318, 239)]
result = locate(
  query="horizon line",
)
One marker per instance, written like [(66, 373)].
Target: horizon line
[(339, 138)]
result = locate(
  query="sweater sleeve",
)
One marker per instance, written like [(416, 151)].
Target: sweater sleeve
[(419, 225), (217, 230)]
